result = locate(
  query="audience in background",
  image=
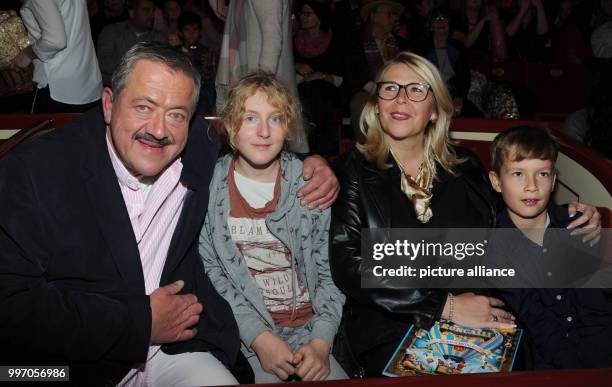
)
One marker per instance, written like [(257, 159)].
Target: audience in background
[(593, 124), (451, 61), (599, 133), (212, 26), (172, 10), (601, 39), (597, 12), (116, 39), (334, 70), (204, 59), (473, 28), (567, 44), (113, 11), (347, 20), (526, 29), (319, 74), (419, 33), (368, 51)]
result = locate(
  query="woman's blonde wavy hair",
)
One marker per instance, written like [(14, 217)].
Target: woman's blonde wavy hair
[(437, 139), (278, 95)]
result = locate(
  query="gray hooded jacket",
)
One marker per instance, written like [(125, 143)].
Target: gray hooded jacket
[(305, 232)]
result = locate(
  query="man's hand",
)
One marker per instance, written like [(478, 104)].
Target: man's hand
[(274, 354), (173, 315), (312, 361), (590, 230), (322, 188)]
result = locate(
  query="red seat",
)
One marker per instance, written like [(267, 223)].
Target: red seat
[(25, 135), (559, 88)]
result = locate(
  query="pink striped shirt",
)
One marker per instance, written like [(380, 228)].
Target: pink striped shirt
[(154, 213)]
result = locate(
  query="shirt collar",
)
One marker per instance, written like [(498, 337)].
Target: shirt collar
[(552, 217)]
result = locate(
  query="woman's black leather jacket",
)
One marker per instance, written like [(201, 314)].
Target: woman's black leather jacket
[(376, 315)]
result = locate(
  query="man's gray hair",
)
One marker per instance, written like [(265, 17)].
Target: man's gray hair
[(158, 53)]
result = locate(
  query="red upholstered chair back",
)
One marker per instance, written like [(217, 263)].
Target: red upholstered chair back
[(24, 135)]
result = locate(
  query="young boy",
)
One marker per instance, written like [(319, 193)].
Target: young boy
[(205, 59), (265, 253), (570, 328)]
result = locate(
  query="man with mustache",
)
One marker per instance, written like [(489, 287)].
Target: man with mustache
[(99, 266)]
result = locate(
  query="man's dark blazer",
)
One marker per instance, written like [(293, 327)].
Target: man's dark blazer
[(71, 280)]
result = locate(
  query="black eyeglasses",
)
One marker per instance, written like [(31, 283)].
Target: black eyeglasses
[(415, 92)]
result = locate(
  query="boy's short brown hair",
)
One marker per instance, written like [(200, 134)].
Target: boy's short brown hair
[(278, 95), (523, 142)]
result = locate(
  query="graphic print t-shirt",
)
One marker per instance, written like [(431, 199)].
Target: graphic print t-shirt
[(269, 261)]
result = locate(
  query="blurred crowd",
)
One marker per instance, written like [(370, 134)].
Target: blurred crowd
[(339, 45)]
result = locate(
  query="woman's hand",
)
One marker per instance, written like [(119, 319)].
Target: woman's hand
[(478, 312)]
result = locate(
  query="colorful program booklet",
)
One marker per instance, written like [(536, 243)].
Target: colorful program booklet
[(449, 349)]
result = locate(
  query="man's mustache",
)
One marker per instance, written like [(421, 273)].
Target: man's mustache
[(149, 138)]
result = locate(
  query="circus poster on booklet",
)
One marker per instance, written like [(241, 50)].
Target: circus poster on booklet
[(448, 349)]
